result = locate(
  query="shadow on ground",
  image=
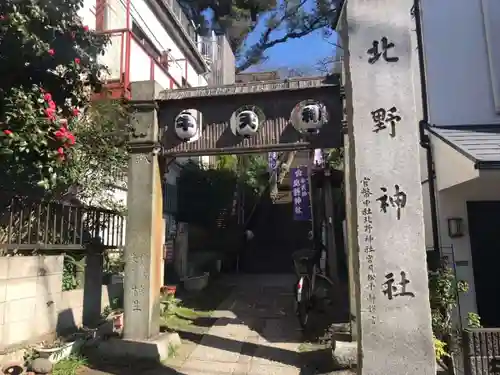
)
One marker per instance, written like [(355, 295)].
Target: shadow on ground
[(250, 301), (265, 308), (310, 362)]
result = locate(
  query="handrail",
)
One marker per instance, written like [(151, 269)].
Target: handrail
[(266, 189)]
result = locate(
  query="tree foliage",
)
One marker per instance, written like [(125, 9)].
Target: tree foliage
[(51, 137), (205, 194), (100, 157), (276, 22), (252, 170)]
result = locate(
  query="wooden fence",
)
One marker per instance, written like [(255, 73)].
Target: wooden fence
[(481, 351)]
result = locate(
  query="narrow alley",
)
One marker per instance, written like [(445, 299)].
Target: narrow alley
[(253, 332), (257, 333)]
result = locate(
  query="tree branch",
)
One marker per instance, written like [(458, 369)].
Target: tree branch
[(256, 52)]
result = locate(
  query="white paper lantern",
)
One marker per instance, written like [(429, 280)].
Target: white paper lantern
[(186, 126), (247, 123), (310, 118)]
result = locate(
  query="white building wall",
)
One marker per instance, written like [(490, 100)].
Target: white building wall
[(452, 196), (88, 13), (192, 76), (453, 203), (141, 13), (458, 42), (144, 17)]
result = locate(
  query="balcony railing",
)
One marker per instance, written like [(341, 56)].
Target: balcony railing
[(129, 60), (185, 22)]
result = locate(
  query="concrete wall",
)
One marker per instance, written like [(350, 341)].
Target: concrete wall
[(228, 60), (32, 303), (462, 56)]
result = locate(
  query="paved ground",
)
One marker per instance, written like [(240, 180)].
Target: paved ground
[(255, 332)]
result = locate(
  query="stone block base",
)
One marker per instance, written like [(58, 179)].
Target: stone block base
[(156, 349), (345, 355)]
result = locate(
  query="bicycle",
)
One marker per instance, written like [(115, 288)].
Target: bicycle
[(313, 287)]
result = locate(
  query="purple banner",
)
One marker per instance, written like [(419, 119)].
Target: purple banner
[(272, 161), (300, 194)]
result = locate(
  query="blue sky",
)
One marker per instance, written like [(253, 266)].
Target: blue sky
[(295, 53)]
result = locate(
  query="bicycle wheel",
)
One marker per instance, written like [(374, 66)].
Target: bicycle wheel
[(322, 293), (304, 303)]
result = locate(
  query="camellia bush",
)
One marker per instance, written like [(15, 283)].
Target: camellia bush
[(48, 72), (34, 136)]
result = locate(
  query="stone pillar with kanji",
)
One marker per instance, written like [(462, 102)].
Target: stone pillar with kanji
[(144, 231), (382, 88)]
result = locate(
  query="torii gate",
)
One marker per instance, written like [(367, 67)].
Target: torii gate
[(387, 247), (239, 118)]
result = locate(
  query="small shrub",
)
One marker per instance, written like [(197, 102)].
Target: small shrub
[(473, 320), (440, 349)]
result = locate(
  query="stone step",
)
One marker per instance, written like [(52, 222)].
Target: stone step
[(345, 355)]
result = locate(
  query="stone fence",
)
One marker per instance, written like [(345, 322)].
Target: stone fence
[(33, 306)]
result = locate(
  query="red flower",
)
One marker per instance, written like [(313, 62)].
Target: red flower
[(85, 28), (64, 135), (70, 138), (7, 132), (61, 133), (51, 52), (77, 60), (50, 113), (3, 18), (52, 105), (76, 112), (60, 153), (47, 97)]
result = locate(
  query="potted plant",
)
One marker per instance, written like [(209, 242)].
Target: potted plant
[(169, 305), (114, 314), (167, 290), (116, 317), (58, 349), (196, 283)]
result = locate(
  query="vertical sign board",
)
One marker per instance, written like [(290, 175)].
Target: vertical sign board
[(300, 194), (272, 159), (394, 313)]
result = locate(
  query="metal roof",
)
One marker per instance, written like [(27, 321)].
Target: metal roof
[(479, 143)]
